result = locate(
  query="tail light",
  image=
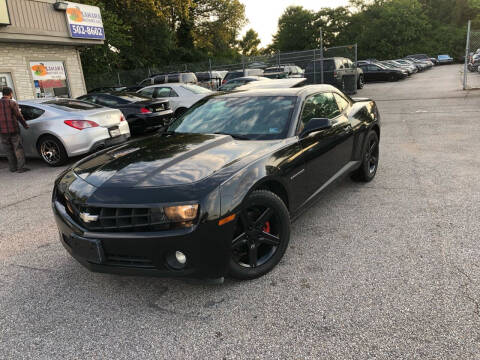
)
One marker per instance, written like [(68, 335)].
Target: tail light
[(335, 73), (81, 124), (145, 111), (122, 118), (224, 81)]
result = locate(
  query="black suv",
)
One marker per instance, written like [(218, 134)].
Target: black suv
[(335, 72)]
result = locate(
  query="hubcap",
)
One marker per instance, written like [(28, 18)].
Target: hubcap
[(257, 238), (372, 156), (50, 152)]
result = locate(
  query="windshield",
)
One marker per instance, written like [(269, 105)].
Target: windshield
[(196, 89), (253, 117)]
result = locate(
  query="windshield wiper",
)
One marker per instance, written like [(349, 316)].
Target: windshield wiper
[(235, 136)]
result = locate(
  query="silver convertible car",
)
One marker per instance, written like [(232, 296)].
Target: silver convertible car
[(63, 128)]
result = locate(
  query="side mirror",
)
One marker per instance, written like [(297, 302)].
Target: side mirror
[(316, 124)]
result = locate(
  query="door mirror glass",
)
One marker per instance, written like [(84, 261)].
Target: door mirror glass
[(316, 124)]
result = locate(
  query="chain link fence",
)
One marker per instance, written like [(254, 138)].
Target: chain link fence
[(471, 74), (210, 73)]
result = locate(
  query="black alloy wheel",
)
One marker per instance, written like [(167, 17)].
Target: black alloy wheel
[(52, 151), (368, 169), (261, 236)]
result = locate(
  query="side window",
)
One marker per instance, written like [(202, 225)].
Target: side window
[(30, 112), (161, 92), (342, 103), (148, 92), (106, 101), (173, 93), (319, 106), (372, 68)]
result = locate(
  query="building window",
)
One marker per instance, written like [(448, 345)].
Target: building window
[(49, 79), (6, 80)]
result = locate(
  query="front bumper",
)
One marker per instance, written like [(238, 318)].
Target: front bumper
[(205, 245)]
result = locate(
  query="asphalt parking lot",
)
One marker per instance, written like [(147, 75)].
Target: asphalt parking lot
[(387, 270)]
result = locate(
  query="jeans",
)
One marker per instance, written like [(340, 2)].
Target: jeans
[(13, 148)]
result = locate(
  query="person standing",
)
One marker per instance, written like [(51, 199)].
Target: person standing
[(10, 137)]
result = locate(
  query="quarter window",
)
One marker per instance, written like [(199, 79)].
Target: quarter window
[(30, 112), (341, 102), (161, 92)]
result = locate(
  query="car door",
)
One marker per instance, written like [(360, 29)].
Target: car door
[(326, 151), (33, 116)]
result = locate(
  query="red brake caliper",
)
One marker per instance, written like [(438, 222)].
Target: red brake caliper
[(266, 227)]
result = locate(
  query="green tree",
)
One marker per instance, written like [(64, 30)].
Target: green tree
[(296, 30), (249, 43)]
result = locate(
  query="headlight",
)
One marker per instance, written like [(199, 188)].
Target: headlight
[(181, 213)]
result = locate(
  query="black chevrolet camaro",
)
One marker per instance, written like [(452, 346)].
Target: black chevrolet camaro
[(215, 194)]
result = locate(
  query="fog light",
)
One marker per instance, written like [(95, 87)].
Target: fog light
[(176, 260), (181, 258)]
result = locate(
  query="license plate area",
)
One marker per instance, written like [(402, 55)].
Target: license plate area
[(88, 249), (114, 132)]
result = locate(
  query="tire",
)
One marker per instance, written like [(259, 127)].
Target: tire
[(179, 112), (52, 151), (370, 155), (253, 254), (360, 82)]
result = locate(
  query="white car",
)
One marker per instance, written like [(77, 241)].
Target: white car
[(181, 96), (63, 128)]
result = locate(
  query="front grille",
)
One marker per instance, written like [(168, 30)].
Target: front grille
[(116, 219)]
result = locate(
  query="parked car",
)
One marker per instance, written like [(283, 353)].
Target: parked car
[(215, 195), (183, 77), (241, 73), (474, 63), (64, 128), (444, 59), (210, 80), (142, 113), (283, 72), (108, 89), (421, 65), (379, 72), (334, 71), (235, 83), (423, 57), (395, 67), (180, 96), (410, 69)]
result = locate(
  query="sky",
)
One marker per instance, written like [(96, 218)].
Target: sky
[(263, 14)]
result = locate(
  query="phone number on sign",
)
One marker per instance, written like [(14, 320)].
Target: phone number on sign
[(82, 30)]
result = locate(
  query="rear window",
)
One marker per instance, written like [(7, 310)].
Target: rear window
[(196, 89), (71, 105)]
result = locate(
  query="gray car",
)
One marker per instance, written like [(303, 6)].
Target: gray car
[(63, 128)]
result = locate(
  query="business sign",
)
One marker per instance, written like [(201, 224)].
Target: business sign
[(48, 70), (85, 21), (4, 15)]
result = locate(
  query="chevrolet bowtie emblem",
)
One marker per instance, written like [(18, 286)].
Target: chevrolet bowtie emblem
[(87, 218)]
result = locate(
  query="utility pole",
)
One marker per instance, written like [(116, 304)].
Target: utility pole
[(321, 56), (467, 51)]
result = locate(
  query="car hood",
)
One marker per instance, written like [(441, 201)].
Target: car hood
[(168, 160)]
